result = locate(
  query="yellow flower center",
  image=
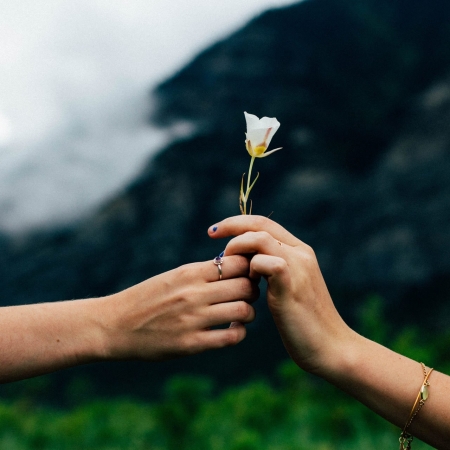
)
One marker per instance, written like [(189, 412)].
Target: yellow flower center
[(259, 150)]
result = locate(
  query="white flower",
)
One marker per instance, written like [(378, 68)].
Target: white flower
[(259, 134)]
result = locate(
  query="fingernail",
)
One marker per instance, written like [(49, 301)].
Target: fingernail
[(214, 228), (221, 255)]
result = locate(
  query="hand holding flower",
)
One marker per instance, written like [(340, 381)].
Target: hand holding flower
[(313, 332), (311, 328)]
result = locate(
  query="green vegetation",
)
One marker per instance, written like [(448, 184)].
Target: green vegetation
[(295, 411)]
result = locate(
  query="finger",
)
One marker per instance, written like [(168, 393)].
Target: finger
[(255, 242), (236, 266), (276, 271), (231, 267), (231, 290), (223, 313), (211, 339), (237, 225)]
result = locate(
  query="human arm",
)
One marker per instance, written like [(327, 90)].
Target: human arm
[(319, 341), (167, 316)]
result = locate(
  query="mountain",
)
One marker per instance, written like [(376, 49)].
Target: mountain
[(362, 91)]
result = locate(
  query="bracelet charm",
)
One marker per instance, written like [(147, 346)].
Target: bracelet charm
[(405, 437)]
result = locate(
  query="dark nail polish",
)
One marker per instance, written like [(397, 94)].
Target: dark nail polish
[(214, 229), (221, 255)]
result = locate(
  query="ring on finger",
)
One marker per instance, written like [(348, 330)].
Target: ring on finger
[(218, 261)]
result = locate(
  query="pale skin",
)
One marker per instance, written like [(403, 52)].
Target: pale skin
[(320, 342), (164, 317)]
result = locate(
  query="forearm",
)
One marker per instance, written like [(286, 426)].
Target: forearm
[(41, 338), (320, 342), (170, 315), (388, 383)]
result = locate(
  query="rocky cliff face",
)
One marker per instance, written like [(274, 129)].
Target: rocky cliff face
[(362, 95)]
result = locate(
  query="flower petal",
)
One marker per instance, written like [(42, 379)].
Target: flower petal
[(251, 120), (273, 124), (268, 122), (257, 136), (248, 146), (268, 153)]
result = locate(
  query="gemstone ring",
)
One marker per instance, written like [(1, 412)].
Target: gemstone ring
[(218, 260)]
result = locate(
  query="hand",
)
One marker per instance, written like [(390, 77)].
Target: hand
[(172, 314), (310, 326), (318, 339)]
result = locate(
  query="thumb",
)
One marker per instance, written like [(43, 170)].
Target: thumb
[(274, 269)]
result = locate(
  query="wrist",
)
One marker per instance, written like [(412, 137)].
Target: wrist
[(118, 325), (341, 357), (109, 346), (93, 338)]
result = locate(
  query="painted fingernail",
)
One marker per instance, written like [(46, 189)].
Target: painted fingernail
[(214, 229), (221, 255)]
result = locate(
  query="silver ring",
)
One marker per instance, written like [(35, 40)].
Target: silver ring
[(218, 262)]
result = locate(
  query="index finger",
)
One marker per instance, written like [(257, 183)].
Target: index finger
[(237, 225), (235, 266)]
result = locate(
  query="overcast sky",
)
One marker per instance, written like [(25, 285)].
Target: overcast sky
[(74, 78)]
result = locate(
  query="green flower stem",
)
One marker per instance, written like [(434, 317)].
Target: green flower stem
[(249, 188), (249, 176)]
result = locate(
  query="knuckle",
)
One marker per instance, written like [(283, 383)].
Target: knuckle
[(261, 222), (308, 250), (245, 286), (185, 296), (251, 315), (243, 310), (308, 256), (242, 264), (182, 342), (279, 266), (234, 336), (188, 345), (262, 236), (186, 271)]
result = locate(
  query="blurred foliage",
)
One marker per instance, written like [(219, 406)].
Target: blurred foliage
[(295, 411)]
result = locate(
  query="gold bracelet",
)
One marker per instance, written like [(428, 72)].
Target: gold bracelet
[(405, 437)]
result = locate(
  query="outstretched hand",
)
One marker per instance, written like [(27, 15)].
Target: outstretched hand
[(170, 315), (173, 314), (309, 324)]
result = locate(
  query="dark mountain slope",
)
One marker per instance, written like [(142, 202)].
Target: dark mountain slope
[(342, 70)]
